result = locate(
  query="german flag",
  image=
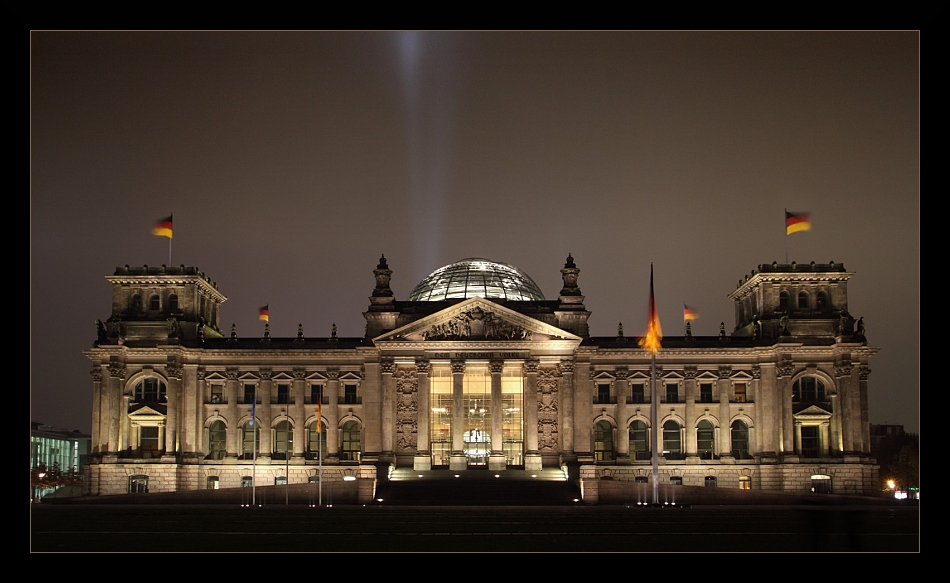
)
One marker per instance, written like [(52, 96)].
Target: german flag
[(263, 314), (689, 313), (795, 222), (163, 227)]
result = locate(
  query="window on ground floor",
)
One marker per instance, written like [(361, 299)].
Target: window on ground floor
[(710, 481), (280, 480), (283, 441), (676, 480), (317, 441), (138, 484), (740, 440), (352, 441), (213, 482), (639, 448), (810, 441), (672, 444), (603, 441), (250, 440), (247, 481), (217, 441), (745, 483), (821, 484), (705, 440)]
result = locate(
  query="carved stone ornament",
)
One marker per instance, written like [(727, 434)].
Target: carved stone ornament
[(299, 373), (458, 366), (531, 366), (117, 370), (786, 367), (566, 366), (333, 374), (386, 365), (407, 385), (843, 370), (231, 373), (476, 324), (96, 373), (756, 372), (406, 381), (422, 366), (689, 372), (548, 409), (863, 372), (200, 373), (266, 374), (496, 366), (725, 372), (173, 369)]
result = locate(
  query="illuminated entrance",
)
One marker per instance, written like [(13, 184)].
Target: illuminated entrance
[(472, 425)]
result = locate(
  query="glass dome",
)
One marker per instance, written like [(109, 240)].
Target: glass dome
[(476, 277)]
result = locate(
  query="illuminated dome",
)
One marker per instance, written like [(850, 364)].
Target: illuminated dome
[(476, 277)]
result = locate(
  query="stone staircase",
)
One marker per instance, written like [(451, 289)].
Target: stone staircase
[(477, 487)]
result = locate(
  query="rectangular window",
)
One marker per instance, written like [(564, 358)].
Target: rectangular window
[(740, 392), (249, 391), (349, 395), (705, 393), (217, 393), (316, 394), (637, 395), (283, 394), (148, 440), (810, 442), (603, 393), (672, 392)]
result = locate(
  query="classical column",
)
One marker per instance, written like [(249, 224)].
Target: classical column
[(532, 459), (388, 417), (235, 435), (96, 374), (566, 399), (725, 393), (422, 459), (690, 417), (755, 445), (621, 390), (865, 431), (197, 421), (114, 402), (496, 460), (264, 412), (457, 461), (299, 415), (791, 436), (332, 413)]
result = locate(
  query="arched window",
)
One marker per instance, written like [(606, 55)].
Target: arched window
[(740, 440), (317, 442), (150, 390), (783, 301), (822, 300), (153, 303), (217, 441), (639, 444), (802, 300), (808, 389), (250, 440), (352, 445), (705, 440), (603, 441), (672, 447), (283, 440), (172, 303)]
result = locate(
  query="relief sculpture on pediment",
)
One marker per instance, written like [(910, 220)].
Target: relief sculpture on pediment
[(475, 324)]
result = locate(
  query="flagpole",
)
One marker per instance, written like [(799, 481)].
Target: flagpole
[(254, 448), (785, 214), (655, 458)]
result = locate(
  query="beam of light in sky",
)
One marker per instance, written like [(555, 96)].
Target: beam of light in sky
[(429, 92)]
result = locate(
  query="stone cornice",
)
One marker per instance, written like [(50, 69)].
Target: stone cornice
[(803, 277), (165, 280)]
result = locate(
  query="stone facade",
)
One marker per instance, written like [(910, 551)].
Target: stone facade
[(465, 381)]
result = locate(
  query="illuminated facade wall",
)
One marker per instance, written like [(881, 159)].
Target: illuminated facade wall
[(780, 403)]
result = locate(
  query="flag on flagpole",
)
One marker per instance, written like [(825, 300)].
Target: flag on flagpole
[(654, 334), (319, 412), (254, 408), (689, 313), (163, 227), (263, 315), (795, 222)]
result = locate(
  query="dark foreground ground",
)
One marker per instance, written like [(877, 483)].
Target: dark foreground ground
[(275, 528)]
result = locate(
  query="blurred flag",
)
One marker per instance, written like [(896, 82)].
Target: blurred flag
[(163, 227), (689, 313), (654, 334), (795, 222), (263, 315)]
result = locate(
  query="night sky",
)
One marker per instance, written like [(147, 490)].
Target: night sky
[(291, 161)]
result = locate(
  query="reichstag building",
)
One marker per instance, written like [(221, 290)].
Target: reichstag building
[(477, 369)]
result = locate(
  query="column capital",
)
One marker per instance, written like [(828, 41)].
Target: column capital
[(117, 370), (622, 373), (333, 374), (201, 372), (531, 366), (96, 373), (266, 374), (299, 373), (496, 366), (756, 372), (458, 366), (689, 371), (725, 371), (231, 373), (566, 366), (422, 366), (386, 365), (863, 372)]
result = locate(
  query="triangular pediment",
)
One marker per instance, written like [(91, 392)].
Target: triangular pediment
[(142, 412), (476, 319), (812, 412)]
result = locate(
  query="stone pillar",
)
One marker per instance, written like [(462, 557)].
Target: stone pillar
[(173, 408), (566, 418), (755, 441), (621, 390), (332, 413), (299, 416), (864, 434), (457, 461), (496, 459), (583, 409), (97, 392), (196, 423), (233, 418), (114, 403), (791, 437), (690, 390), (388, 417), (532, 458), (264, 393), (724, 443), (422, 460)]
